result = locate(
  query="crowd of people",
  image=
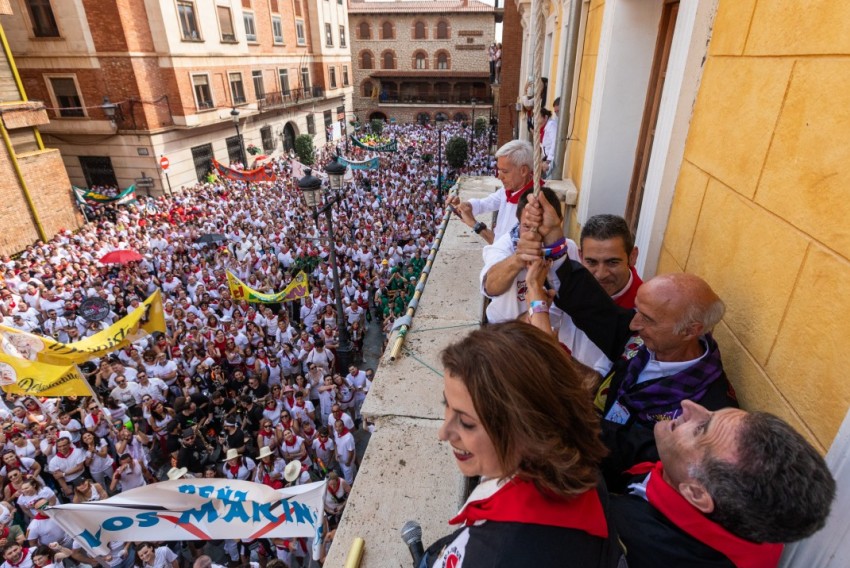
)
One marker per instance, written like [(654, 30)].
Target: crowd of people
[(232, 389), (607, 377)]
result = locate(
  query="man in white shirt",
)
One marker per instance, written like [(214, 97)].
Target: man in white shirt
[(345, 451), (515, 161), (67, 465)]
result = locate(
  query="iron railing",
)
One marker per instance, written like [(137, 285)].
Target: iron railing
[(288, 98)]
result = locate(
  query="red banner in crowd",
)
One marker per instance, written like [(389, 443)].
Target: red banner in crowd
[(264, 173)]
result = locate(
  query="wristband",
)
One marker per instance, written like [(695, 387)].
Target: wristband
[(537, 307), (478, 227), (557, 250)]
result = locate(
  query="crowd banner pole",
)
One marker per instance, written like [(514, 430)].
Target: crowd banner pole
[(402, 325), (355, 553)]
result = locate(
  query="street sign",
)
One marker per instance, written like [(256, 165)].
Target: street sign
[(163, 163), (144, 183)]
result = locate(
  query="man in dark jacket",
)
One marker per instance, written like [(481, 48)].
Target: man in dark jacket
[(663, 351), (730, 486)]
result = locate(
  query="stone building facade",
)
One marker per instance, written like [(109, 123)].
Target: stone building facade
[(171, 72), (35, 194), (413, 60)]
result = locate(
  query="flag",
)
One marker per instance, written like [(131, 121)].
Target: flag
[(143, 321), (263, 173), (194, 509), (24, 377), (298, 288)]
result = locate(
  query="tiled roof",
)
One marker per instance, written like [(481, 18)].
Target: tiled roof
[(417, 7)]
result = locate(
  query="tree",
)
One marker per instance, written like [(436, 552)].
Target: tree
[(457, 151), (377, 126), (304, 149), (480, 126)]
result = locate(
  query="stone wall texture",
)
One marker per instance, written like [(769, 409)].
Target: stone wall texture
[(761, 206)]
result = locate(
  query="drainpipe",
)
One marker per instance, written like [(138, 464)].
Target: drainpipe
[(18, 82), (567, 88)]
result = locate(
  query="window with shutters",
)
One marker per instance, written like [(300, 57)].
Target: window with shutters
[(259, 88), (67, 96), (188, 20), (203, 94), (237, 89), (225, 24), (42, 18), (277, 30)]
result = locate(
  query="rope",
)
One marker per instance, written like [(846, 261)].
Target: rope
[(421, 362), (539, 18)]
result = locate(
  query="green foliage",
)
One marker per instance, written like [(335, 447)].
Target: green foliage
[(306, 263), (304, 149), (377, 125), (427, 158), (480, 126), (457, 152)]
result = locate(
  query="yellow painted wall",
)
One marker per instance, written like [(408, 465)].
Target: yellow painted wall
[(762, 205), (587, 74)]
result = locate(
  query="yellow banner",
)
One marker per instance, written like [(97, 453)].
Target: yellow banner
[(298, 288), (20, 376), (143, 321)]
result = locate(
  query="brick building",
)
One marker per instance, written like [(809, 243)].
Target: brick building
[(171, 73), (413, 60), (35, 196)]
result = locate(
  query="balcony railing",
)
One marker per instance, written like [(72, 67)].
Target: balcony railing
[(432, 100), (288, 98)]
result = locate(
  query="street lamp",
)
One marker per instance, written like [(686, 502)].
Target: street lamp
[(311, 188), (234, 115), (440, 119), (109, 110)]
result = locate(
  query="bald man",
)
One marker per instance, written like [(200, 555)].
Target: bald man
[(662, 351)]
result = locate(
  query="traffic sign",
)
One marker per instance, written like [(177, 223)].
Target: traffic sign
[(163, 163)]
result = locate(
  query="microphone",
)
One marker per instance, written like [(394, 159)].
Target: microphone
[(411, 534)]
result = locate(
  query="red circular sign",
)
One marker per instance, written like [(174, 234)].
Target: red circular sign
[(163, 163)]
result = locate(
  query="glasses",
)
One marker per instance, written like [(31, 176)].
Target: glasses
[(284, 415)]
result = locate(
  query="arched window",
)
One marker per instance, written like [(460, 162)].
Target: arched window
[(442, 60), (365, 30), (389, 60), (420, 60), (423, 118), (419, 31), (442, 30), (387, 31), (367, 88), (366, 60)]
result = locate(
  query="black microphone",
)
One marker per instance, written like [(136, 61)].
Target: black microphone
[(411, 534)]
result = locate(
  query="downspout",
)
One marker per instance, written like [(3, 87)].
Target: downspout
[(567, 88), (8, 51), (8, 140)]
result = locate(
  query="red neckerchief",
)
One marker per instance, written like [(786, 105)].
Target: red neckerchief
[(334, 489), (63, 456), (4, 532), (513, 196), (40, 516), (234, 469), (343, 433), (300, 404), (266, 433), (287, 425), (95, 418), (24, 553), (294, 439), (309, 433), (322, 444), (627, 300), (519, 501), (671, 504), (290, 400)]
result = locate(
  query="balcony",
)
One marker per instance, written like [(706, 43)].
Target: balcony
[(453, 100), (293, 97)]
